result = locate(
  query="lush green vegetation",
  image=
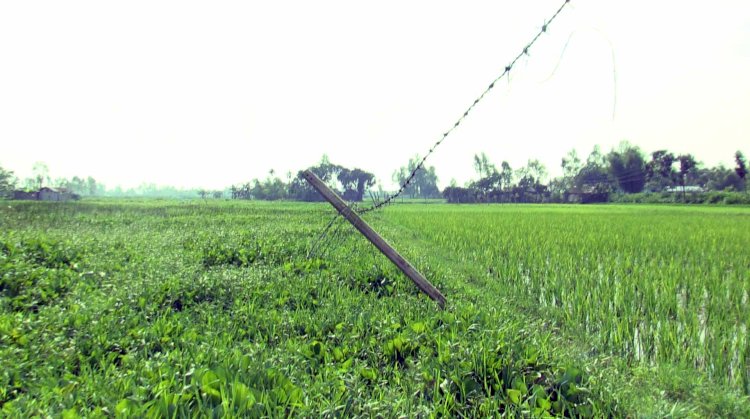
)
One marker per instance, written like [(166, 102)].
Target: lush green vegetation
[(721, 198), (622, 175), (164, 308)]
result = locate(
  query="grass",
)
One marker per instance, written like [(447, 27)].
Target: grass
[(164, 308)]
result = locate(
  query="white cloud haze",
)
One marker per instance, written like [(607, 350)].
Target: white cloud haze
[(206, 94)]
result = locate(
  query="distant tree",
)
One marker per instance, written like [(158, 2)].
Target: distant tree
[(717, 178), (202, 193), (459, 195), (241, 191), (659, 171), (270, 189), (571, 165), (488, 188), (492, 185), (493, 181), (61, 183), (302, 191), (78, 185), (41, 173), (299, 189), (594, 179), (428, 183), (531, 179), (30, 184), (537, 169), (350, 183), (628, 167), (7, 183), (478, 165), (687, 165), (91, 186), (557, 188), (596, 158), (483, 166), (150, 190), (401, 176), (741, 167), (506, 174), (218, 194), (354, 183), (325, 170), (424, 182)]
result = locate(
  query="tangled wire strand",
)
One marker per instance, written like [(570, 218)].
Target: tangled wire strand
[(505, 73)]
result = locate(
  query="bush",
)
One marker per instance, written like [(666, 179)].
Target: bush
[(715, 197)]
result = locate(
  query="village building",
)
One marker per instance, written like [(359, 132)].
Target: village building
[(688, 188), (25, 195), (46, 194), (586, 195)]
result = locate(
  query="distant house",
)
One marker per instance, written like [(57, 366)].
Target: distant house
[(585, 195), (46, 194), (688, 188), (49, 194), (25, 195)]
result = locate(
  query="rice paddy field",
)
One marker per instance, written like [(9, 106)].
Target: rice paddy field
[(119, 308)]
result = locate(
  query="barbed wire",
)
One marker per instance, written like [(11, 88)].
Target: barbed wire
[(319, 247), (388, 199), (506, 72), (312, 252)]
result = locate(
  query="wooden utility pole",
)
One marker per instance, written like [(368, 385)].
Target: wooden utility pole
[(423, 284)]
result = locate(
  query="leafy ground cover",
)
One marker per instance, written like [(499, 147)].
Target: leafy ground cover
[(168, 308)]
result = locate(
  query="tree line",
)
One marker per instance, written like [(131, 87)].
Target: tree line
[(624, 174), (77, 185), (625, 170), (351, 183), (88, 186)]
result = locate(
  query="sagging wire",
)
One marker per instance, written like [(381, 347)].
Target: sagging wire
[(614, 65), (377, 203), (321, 246), (505, 73), (322, 237)]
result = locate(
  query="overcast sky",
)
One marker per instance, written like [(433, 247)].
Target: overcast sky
[(206, 94)]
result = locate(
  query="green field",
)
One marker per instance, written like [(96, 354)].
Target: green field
[(167, 308)]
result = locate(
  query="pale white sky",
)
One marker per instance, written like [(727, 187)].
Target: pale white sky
[(206, 94)]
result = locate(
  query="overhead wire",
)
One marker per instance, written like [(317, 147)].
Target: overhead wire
[(420, 166), (504, 73), (614, 65)]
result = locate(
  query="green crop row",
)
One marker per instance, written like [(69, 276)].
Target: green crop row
[(174, 309), (168, 309), (652, 284)]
